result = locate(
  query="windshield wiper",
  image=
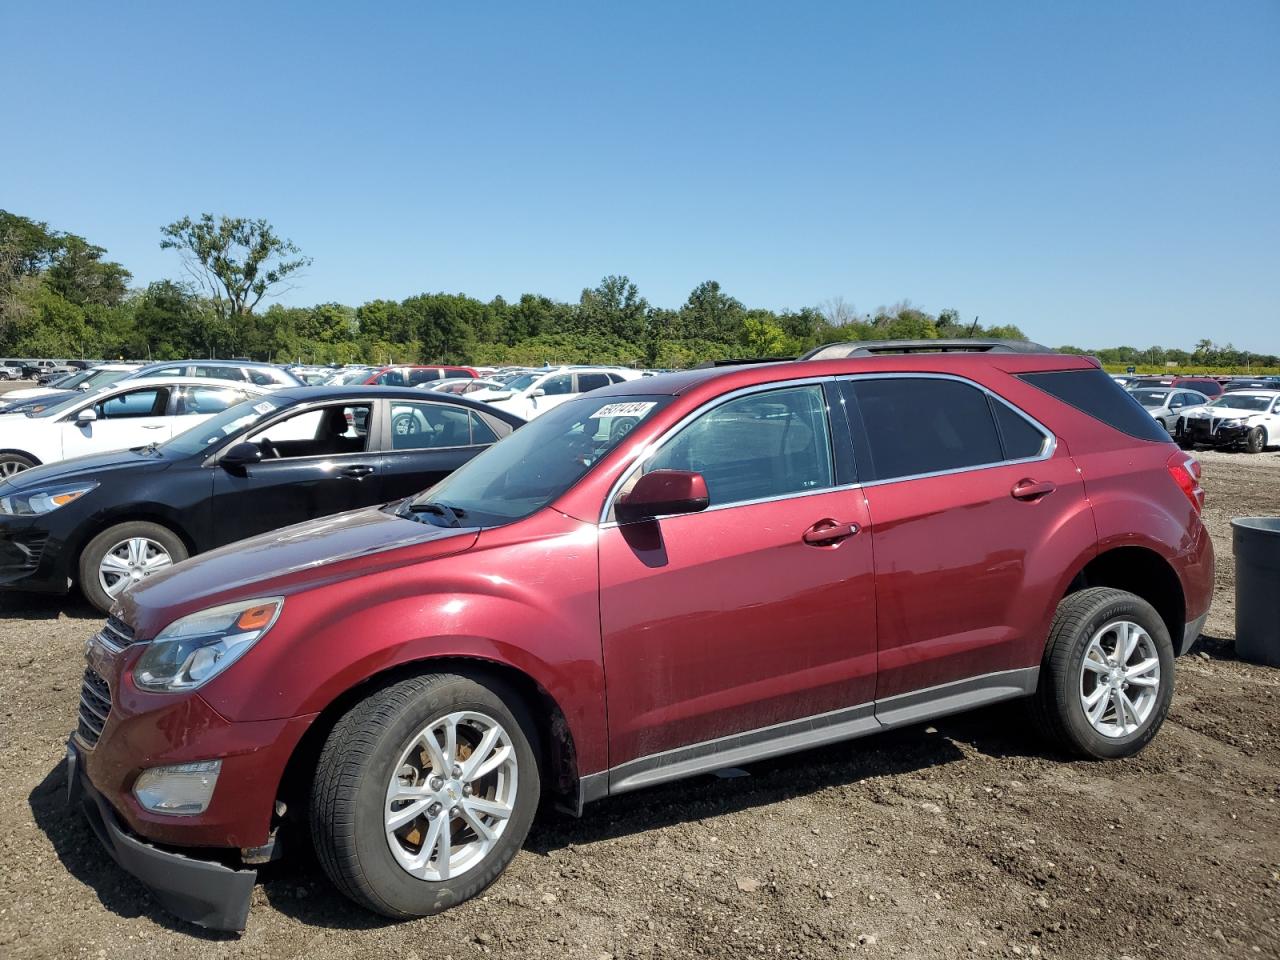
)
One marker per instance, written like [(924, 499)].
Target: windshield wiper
[(452, 515)]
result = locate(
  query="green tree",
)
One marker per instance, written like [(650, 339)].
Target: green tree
[(614, 309), (237, 261)]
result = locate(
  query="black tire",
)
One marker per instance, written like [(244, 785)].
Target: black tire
[(92, 555), (11, 463), (1256, 440), (1056, 705), (348, 795)]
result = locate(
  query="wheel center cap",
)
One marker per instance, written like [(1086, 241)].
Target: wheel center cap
[(453, 790)]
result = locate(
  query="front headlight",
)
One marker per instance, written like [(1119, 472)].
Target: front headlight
[(35, 502), (1234, 422), (195, 649)]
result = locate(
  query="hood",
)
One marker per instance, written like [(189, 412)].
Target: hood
[(26, 393), (488, 395), (1221, 412), (287, 561), (92, 466)]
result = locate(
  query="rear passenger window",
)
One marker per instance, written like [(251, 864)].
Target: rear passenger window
[(423, 426), (1094, 392), (918, 425), (592, 381), (759, 446), (1021, 440)]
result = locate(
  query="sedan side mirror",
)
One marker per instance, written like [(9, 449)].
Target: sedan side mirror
[(661, 493), (242, 455), (87, 415), (538, 392)]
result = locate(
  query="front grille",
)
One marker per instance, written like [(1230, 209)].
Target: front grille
[(116, 633), (95, 705)]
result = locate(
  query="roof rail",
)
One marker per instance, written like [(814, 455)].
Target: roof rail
[(871, 348), (739, 361)]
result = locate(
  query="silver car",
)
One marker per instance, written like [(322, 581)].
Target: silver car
[(1167, 403)]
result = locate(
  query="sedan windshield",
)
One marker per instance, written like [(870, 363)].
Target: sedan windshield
[(533, 466), (1242, 401), (217, 428), (521, 382)]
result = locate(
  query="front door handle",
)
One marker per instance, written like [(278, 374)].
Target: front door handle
[(158, 426), (828, 533), (357, 472), (1029, 489)]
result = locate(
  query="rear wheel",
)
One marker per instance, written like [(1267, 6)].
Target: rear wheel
[(424, 793), (120, 556), (1107, 675), (1256, 440)]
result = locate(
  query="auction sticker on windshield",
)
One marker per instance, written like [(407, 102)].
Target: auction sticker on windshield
[(636, 408)]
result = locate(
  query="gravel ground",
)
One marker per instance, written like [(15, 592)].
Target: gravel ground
[(963, 838)]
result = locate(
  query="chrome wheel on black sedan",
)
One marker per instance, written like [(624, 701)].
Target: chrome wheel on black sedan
[(129, 561)]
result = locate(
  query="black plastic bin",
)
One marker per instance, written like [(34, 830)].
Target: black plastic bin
[(1255, 541)]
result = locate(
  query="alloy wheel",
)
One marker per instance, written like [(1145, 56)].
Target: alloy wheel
[(130, 561), (9, 467), (451, 795), (1119, 679)]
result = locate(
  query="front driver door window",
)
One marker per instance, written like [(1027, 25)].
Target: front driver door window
[(132, 418), (315, 463), (733, 619)]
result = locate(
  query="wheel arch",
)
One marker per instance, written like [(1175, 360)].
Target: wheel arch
[(1143, 572), (554, 745), (22, 453)]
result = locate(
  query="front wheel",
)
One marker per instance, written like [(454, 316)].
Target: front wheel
[(120, 556), (11, 463), (1256, 440), (1106, 679), (423, 793)]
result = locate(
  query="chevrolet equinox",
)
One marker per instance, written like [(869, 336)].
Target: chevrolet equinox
[(657, 579)]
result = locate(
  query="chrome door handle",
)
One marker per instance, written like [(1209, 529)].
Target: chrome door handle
[(358, 472), (828, 533)]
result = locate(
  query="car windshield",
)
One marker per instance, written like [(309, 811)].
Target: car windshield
[(1151, 398), (59, 408), (521, 382), (101, 378), (1239, 401), (345, 377), (533, 466), (220, 426)]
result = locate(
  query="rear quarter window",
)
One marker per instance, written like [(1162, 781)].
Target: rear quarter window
[(1093, 392)]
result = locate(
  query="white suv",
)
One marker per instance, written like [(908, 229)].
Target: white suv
[(531, 394)]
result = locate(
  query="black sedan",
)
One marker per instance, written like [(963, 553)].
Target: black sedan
[(106, 521)]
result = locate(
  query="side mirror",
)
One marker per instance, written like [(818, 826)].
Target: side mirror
[(662, 493), (242, 455), (538, 393), (87, 415)]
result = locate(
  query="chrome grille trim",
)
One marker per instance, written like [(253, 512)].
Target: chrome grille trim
[(95, 707)]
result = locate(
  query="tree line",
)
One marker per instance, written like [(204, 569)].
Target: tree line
[(61, 297)]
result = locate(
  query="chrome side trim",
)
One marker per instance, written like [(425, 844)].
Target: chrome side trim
[(808, 732), (933, 702), (743, 748)]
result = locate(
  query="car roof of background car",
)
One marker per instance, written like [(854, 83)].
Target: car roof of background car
[(358, 392), (743, 375)]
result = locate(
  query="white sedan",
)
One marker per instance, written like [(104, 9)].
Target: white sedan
[(102, 375), (132, 413), (531, 394), (1246, 418)]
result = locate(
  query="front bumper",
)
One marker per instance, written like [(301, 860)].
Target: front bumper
[(1204, 431), (32, 555), (202, 892)]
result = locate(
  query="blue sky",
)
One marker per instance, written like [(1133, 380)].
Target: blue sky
[(1096, 173)]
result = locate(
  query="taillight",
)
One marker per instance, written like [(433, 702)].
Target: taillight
[(1185, 470)]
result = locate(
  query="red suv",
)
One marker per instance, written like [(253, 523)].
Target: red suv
[(654, 580)]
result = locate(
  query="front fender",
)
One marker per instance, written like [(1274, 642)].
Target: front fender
[(543, 624)]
